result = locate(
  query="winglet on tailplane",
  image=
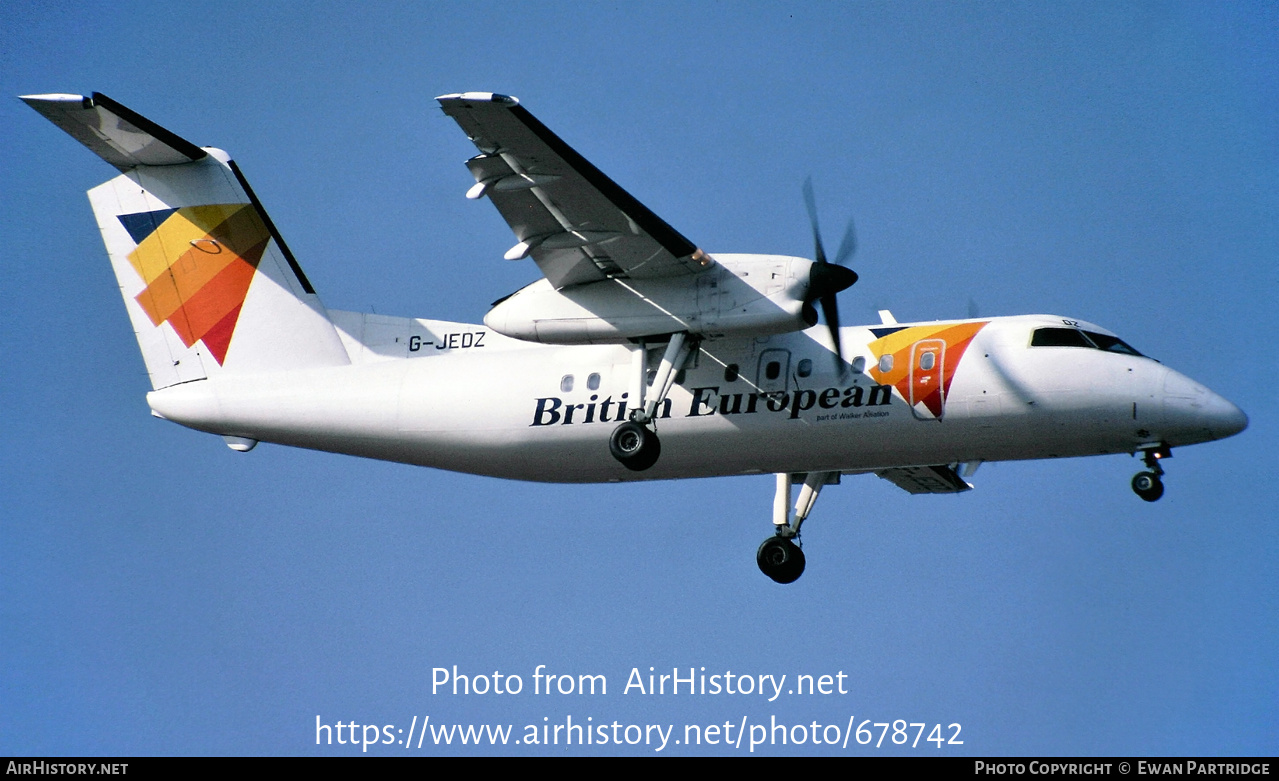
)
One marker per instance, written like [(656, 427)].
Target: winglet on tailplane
[(209, 284)]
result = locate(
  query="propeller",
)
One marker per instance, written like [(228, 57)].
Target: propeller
[(827, 279)]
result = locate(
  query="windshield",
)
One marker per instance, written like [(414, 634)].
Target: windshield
[(1111, 343), (1074, 337)]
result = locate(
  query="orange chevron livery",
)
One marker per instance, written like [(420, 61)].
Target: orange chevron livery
[(197, 263), (921, 362)]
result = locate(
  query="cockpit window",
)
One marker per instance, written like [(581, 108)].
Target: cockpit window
[(1059, 337), (1073, 337), (1111, 344)]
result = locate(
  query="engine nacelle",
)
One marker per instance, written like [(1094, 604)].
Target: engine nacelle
[(740, 295)]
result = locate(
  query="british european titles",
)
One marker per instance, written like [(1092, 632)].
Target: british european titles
[(552, 410)]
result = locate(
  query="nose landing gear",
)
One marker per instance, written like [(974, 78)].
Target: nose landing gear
[(1149, 485)]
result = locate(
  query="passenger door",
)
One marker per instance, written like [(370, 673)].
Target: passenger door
[(927, 396)]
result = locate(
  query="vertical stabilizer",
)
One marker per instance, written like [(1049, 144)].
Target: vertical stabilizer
[(209, 284)]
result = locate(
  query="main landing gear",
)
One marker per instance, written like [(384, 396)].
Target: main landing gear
[(1149, 485), (634, 443), (780, 557), (635, 446)]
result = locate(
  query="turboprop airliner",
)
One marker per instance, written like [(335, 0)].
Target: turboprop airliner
[(636, 355)]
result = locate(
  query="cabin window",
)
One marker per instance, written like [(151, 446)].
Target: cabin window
[(859, 364), (566, 383), (730, 372), (773, 370), (593, 381), (805, 367), (927, 361), (886, 363), (679, 377)]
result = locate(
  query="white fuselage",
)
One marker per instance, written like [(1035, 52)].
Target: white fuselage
[(461, 397)]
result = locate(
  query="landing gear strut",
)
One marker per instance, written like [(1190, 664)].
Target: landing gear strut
[(779, 557), (1148, 485), (634, 443)]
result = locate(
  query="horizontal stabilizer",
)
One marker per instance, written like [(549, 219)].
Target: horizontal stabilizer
[(207, 280), (926, 479), (115, 133)]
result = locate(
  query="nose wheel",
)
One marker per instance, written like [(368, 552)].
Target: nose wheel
[(1150, 485)]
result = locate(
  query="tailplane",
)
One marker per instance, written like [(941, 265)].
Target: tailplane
[(209, 284)]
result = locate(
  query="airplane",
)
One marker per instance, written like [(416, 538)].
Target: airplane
[(631, 331)]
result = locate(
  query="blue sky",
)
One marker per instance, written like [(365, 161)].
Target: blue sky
[(1119, 163)]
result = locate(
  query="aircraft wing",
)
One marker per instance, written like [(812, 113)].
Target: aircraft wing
[(926, 479), (578, 225)]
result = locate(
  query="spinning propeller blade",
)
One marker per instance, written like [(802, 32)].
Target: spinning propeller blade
[(827, 279)]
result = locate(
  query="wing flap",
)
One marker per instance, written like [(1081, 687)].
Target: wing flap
[(578, 225)]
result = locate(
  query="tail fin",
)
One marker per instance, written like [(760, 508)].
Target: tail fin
[(209, 284)]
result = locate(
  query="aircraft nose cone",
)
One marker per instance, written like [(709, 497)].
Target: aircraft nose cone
[(1199, 413), (1224, 418)]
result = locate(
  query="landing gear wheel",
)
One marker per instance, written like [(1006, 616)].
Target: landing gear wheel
[(780, 559), (635, 446), (1148, 486)]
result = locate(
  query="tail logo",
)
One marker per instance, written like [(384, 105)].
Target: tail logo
[(920, 362), (197, 263)]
